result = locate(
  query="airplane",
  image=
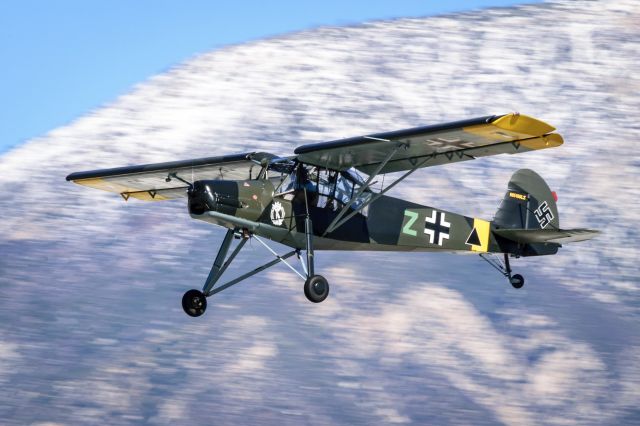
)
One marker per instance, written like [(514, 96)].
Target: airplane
[(323, 198)]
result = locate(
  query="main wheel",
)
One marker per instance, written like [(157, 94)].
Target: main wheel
[(316, 288), (517, 281), (194, 303)]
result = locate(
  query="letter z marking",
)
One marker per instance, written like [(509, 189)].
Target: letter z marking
[(406, 229)]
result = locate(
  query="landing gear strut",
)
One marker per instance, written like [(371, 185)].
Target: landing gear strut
[(517, 280), (316, 287)]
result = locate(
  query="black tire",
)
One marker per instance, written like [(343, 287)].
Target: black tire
[(517, 281), (194, 303), (306, 290), (316, 288)]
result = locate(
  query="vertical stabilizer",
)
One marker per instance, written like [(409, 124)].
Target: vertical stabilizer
[(528, 204)]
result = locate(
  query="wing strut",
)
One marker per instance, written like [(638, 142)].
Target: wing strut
[(335, 222), (376, 196)]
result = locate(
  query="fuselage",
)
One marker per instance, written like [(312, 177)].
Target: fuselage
[(386, 224)]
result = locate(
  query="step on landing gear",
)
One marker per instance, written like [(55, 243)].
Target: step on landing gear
[(516, 280)]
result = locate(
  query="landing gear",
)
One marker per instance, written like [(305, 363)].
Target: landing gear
[(517, 280), (194, 303), (316, 288)]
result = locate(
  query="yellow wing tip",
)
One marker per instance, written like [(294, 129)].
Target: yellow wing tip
[(523, 124), (547, 141), (553, 140)]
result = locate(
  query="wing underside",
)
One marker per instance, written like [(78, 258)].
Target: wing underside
[(163, 181), (433, 145)]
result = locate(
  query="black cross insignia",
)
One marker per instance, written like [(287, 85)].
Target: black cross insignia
[(437, 228)]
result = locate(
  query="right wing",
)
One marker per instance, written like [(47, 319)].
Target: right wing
[(163, 181)]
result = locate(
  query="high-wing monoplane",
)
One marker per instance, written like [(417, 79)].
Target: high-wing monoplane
[(323, 198)]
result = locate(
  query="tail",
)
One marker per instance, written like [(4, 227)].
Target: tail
[(528, 203), (527, 222)]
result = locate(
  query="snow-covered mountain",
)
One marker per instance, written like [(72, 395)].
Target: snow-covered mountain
[(91, 328)]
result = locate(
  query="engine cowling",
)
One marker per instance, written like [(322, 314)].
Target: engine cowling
[(246, 199)]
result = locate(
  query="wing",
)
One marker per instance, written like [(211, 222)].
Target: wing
[(163, 181), (433, 145)]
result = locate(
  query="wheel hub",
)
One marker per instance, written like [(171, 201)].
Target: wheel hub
[(319, 287)]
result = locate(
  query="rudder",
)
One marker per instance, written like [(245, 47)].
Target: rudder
[(528, 204)]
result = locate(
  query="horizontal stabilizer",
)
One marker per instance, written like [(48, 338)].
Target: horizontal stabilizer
[(558, 236)]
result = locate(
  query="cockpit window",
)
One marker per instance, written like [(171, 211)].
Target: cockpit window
[(293, 180), (325, 188), (335, 189), (354, 176), (285, 183), (353, 183)]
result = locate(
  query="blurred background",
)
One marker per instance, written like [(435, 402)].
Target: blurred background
[(91, 327)]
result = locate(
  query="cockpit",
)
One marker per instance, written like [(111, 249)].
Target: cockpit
[(325, 188)]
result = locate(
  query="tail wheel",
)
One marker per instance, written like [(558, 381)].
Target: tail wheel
[(194, 303), (316, 288), (517, 281)]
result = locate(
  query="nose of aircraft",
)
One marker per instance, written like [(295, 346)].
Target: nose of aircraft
[(200, 198)]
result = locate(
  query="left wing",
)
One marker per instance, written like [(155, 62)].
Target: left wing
[(163, 181), (433, 145)]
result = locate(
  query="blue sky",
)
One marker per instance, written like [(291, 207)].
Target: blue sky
[(63, 58)]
